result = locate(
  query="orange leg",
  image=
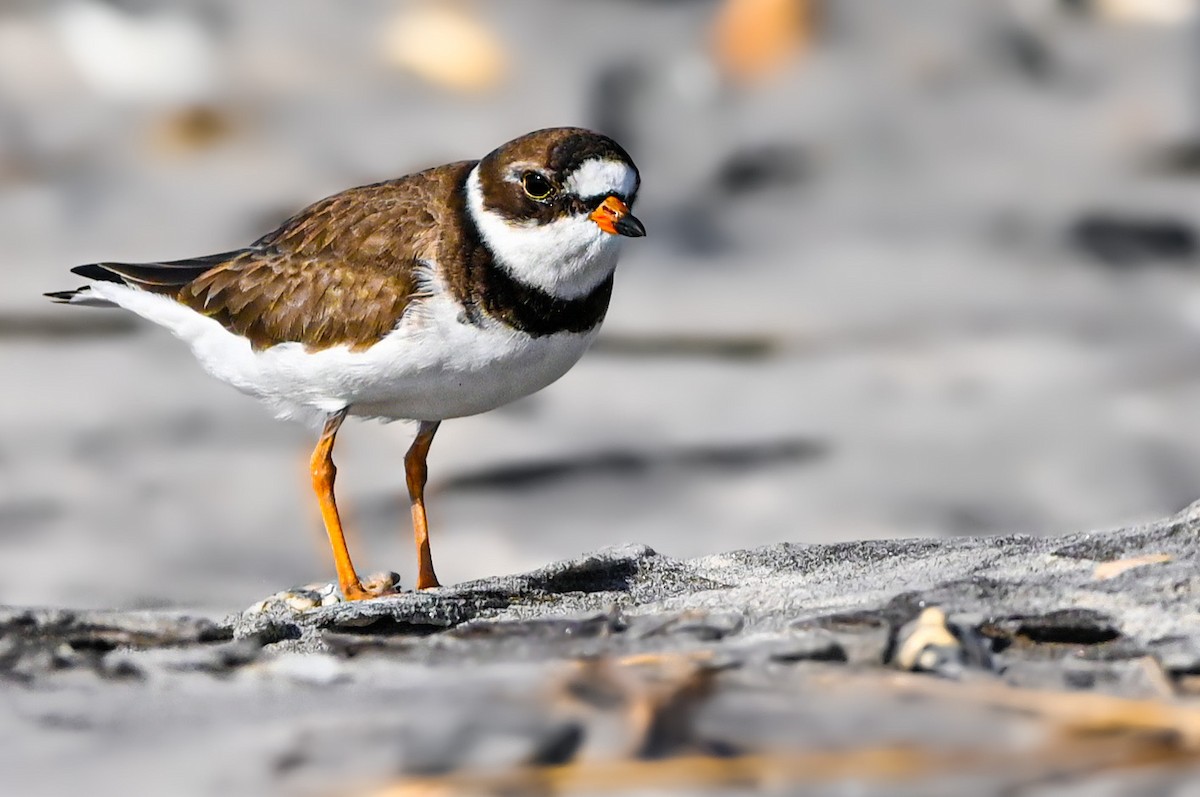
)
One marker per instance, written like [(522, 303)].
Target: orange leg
[(323, 473), (415, 474)]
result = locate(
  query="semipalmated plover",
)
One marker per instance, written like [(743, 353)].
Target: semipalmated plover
[(445, 293)]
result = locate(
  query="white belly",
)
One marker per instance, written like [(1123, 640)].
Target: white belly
[(435, 366), (431, 367)]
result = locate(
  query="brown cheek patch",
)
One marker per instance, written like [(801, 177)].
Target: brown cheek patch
[(505, 197)]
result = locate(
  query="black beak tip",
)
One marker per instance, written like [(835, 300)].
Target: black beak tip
[(630, 227)]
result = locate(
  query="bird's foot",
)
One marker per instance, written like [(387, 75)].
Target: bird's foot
[(298, 600), (374, 586)]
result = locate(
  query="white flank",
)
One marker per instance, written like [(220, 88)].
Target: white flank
[(602, 178), (566, 258), (433, 366)]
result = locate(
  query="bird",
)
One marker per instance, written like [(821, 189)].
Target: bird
[(441, 294)]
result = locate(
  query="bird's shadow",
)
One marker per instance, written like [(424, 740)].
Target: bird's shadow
[(625, 463)]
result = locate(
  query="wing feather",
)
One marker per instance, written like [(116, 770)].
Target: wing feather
[(341, 272)]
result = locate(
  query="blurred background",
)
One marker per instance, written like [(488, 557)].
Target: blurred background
[(926, 268)]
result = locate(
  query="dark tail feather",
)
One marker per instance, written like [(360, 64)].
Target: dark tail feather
[(81, 296), (63, 297), (155, 277)]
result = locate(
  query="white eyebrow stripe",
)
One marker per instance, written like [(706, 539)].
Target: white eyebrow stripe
[(601, 178)]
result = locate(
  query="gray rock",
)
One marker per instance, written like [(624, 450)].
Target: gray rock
[(628, 655)]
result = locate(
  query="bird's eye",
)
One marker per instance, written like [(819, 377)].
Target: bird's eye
[(536, 186)]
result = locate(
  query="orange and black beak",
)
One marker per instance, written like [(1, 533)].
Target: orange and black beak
[(614, 218)]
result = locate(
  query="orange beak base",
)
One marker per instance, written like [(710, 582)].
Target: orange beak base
[(614, 218)]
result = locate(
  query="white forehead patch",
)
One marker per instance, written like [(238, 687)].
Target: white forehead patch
[(601, 178)]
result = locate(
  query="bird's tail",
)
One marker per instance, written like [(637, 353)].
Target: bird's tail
[(81, 296), (167, 277)]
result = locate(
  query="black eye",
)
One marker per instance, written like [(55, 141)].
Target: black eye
[(536, 186)]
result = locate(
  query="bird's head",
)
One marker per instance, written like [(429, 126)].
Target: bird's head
[(553, 205)]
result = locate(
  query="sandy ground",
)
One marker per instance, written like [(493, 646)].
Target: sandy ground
[(901, 339)]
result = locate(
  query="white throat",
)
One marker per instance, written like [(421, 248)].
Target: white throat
[(566, 258)]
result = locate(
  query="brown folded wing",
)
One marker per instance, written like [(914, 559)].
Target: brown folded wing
[(275, 299), (341, 272)]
